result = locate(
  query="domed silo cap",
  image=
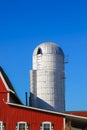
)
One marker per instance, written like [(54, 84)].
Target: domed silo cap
[(48, 48)]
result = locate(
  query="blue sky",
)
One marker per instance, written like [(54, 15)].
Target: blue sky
[(24, 24)]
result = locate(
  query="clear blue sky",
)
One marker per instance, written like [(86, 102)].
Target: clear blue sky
[(24, 24)]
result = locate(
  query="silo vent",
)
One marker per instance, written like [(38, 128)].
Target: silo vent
[(39, 51)]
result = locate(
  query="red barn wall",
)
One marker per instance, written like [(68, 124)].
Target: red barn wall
[(2, 86), (3, 93), (11, 115)]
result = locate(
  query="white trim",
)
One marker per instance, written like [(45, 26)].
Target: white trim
[(51, 112), (2, 125), (5, 83), (22, 122), (64, 123), (8, 97), (46, 122)]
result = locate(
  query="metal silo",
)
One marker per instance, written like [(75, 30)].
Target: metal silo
[(47, 88)]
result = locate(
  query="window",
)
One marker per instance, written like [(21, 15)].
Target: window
[(2, 125), (47, 126), (39, 51), (22, 126)]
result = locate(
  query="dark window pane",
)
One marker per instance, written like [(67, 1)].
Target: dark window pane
[(21, 126), (46, 126)]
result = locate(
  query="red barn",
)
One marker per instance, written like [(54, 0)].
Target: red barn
[(15, 116)]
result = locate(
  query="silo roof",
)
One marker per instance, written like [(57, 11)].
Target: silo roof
[(48, 48)]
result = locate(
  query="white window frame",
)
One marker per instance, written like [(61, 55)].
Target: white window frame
[(2, 125), (22, 122), (46, 122)]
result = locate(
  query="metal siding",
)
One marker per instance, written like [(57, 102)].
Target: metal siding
[(11, 115)]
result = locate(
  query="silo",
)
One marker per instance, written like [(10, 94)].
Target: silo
[(47, 88)]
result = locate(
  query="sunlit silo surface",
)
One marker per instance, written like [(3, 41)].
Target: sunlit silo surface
[(47, 78)]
